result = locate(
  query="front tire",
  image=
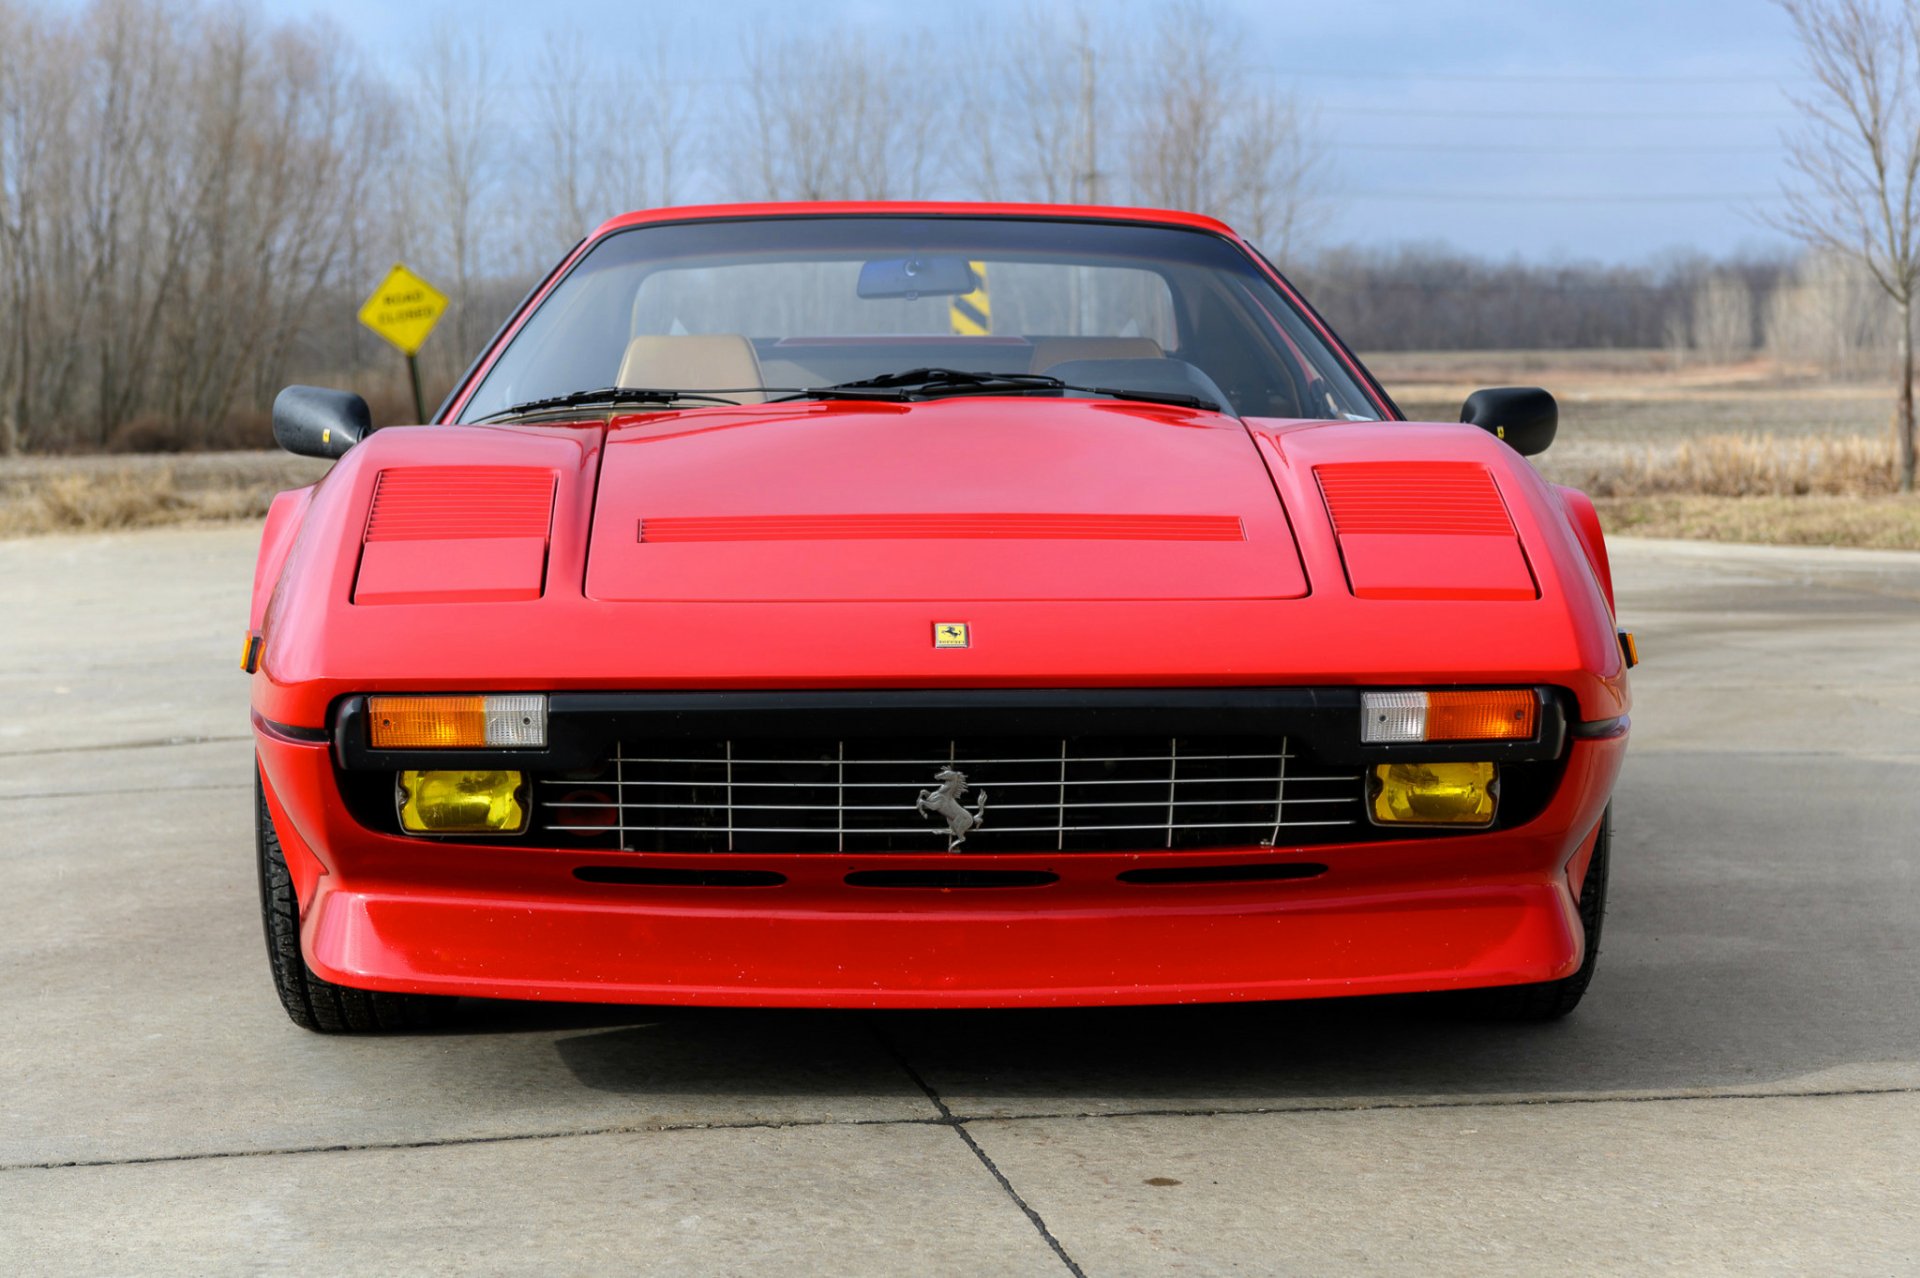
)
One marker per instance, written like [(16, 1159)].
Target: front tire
[(313, 1003), (1551, 1000)]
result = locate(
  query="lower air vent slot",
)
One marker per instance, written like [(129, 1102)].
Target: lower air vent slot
[(658, 876), (944, 879), (1264, 872)]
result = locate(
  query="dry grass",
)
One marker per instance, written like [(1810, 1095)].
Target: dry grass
[(1880, 523), (91, 494), (1740, 466)]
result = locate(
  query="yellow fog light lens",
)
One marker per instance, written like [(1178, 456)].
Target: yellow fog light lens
[(461, 803), (1434, 793)]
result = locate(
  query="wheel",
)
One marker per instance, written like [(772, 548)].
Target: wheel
[(313, 1003), (1551, 1000)]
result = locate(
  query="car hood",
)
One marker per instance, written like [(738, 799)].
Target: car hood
[(953, 499)]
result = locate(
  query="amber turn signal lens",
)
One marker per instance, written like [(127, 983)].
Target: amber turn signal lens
[(1434, 794), (1393, 718), (1480, 716), (461, 803), (427, 723), (505, 722)]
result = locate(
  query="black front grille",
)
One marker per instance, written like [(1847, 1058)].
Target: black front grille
[(1027, 794)]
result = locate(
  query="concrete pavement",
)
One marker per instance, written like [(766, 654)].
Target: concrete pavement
[(1736, 1095)]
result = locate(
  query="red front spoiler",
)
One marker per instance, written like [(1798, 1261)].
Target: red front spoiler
[(391, 913)]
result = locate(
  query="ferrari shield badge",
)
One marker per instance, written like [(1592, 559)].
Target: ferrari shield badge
[(951, 634)]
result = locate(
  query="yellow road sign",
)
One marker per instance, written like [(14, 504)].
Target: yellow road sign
[(404, 309), (971, 314)]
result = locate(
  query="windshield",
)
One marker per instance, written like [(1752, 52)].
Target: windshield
[(753, 309)]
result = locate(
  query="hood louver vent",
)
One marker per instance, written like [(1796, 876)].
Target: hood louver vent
[(1424, 530), (1413, 499), (423, 522), (952, 527), (457, 503)]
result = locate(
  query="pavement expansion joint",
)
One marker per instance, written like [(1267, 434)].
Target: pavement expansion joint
[(103, 794), (959, 1127), (156, 743), (945, 1117)]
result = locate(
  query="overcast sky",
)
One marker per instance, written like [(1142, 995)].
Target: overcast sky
[(1613, 129)]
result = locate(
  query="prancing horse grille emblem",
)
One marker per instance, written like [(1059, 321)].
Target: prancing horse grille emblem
[(946, 802)]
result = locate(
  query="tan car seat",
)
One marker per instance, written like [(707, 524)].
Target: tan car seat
[(1048, 351), (706, 361)]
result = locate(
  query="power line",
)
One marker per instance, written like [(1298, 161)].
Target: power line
[(1464, 77), (1495, 197), (1504, 149), (1514, 113)]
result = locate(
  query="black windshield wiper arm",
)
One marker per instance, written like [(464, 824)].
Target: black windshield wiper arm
[(611, 395), (1178, 399), (932, 381), (940, 377)]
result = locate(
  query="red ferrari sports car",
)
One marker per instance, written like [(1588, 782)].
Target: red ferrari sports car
[(915, 605)]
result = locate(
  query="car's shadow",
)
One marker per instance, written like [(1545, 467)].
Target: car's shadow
[(1640, 1032)]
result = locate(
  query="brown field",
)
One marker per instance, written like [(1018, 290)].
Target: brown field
[(1744, 452), (56, 494)]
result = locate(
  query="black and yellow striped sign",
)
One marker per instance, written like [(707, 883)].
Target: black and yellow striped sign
[(972, 313)]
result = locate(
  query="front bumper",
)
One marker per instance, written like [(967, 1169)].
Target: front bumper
[(488, 920)]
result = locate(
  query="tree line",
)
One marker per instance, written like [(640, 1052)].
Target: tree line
[(193, 199)]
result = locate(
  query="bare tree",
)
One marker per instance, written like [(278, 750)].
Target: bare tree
[(1044, 142), (459, 158), (1278, 166), (1203, 140), (1722, 317), (654, 134), (1831, 314), (568, 162), (834, 117), (1857, 159)]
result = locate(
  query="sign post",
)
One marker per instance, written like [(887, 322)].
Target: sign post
[(403, 310)]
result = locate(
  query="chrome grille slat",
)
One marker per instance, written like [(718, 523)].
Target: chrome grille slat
[(941, 763), (1005, 829), (1107, 792), (998, 807), (921, 781)]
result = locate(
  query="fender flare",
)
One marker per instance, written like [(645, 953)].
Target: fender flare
[(1586, 525), (284, 517)]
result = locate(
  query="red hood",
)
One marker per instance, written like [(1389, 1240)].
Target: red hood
[(963, 498)]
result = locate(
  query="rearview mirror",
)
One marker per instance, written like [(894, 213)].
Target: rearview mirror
[(912, 277), (312, 421), (1525, 416)]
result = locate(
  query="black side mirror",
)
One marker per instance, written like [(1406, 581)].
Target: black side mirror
[(1525, 416), (311, 421)]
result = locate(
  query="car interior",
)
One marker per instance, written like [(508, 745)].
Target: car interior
[(756, 325)]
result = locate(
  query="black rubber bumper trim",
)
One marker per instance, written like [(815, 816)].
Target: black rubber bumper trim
[(583, 727), (1599, 727), (292, 732)]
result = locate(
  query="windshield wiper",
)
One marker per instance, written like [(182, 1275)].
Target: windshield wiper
[(611, 395), (1178, 399), (922, 382)]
